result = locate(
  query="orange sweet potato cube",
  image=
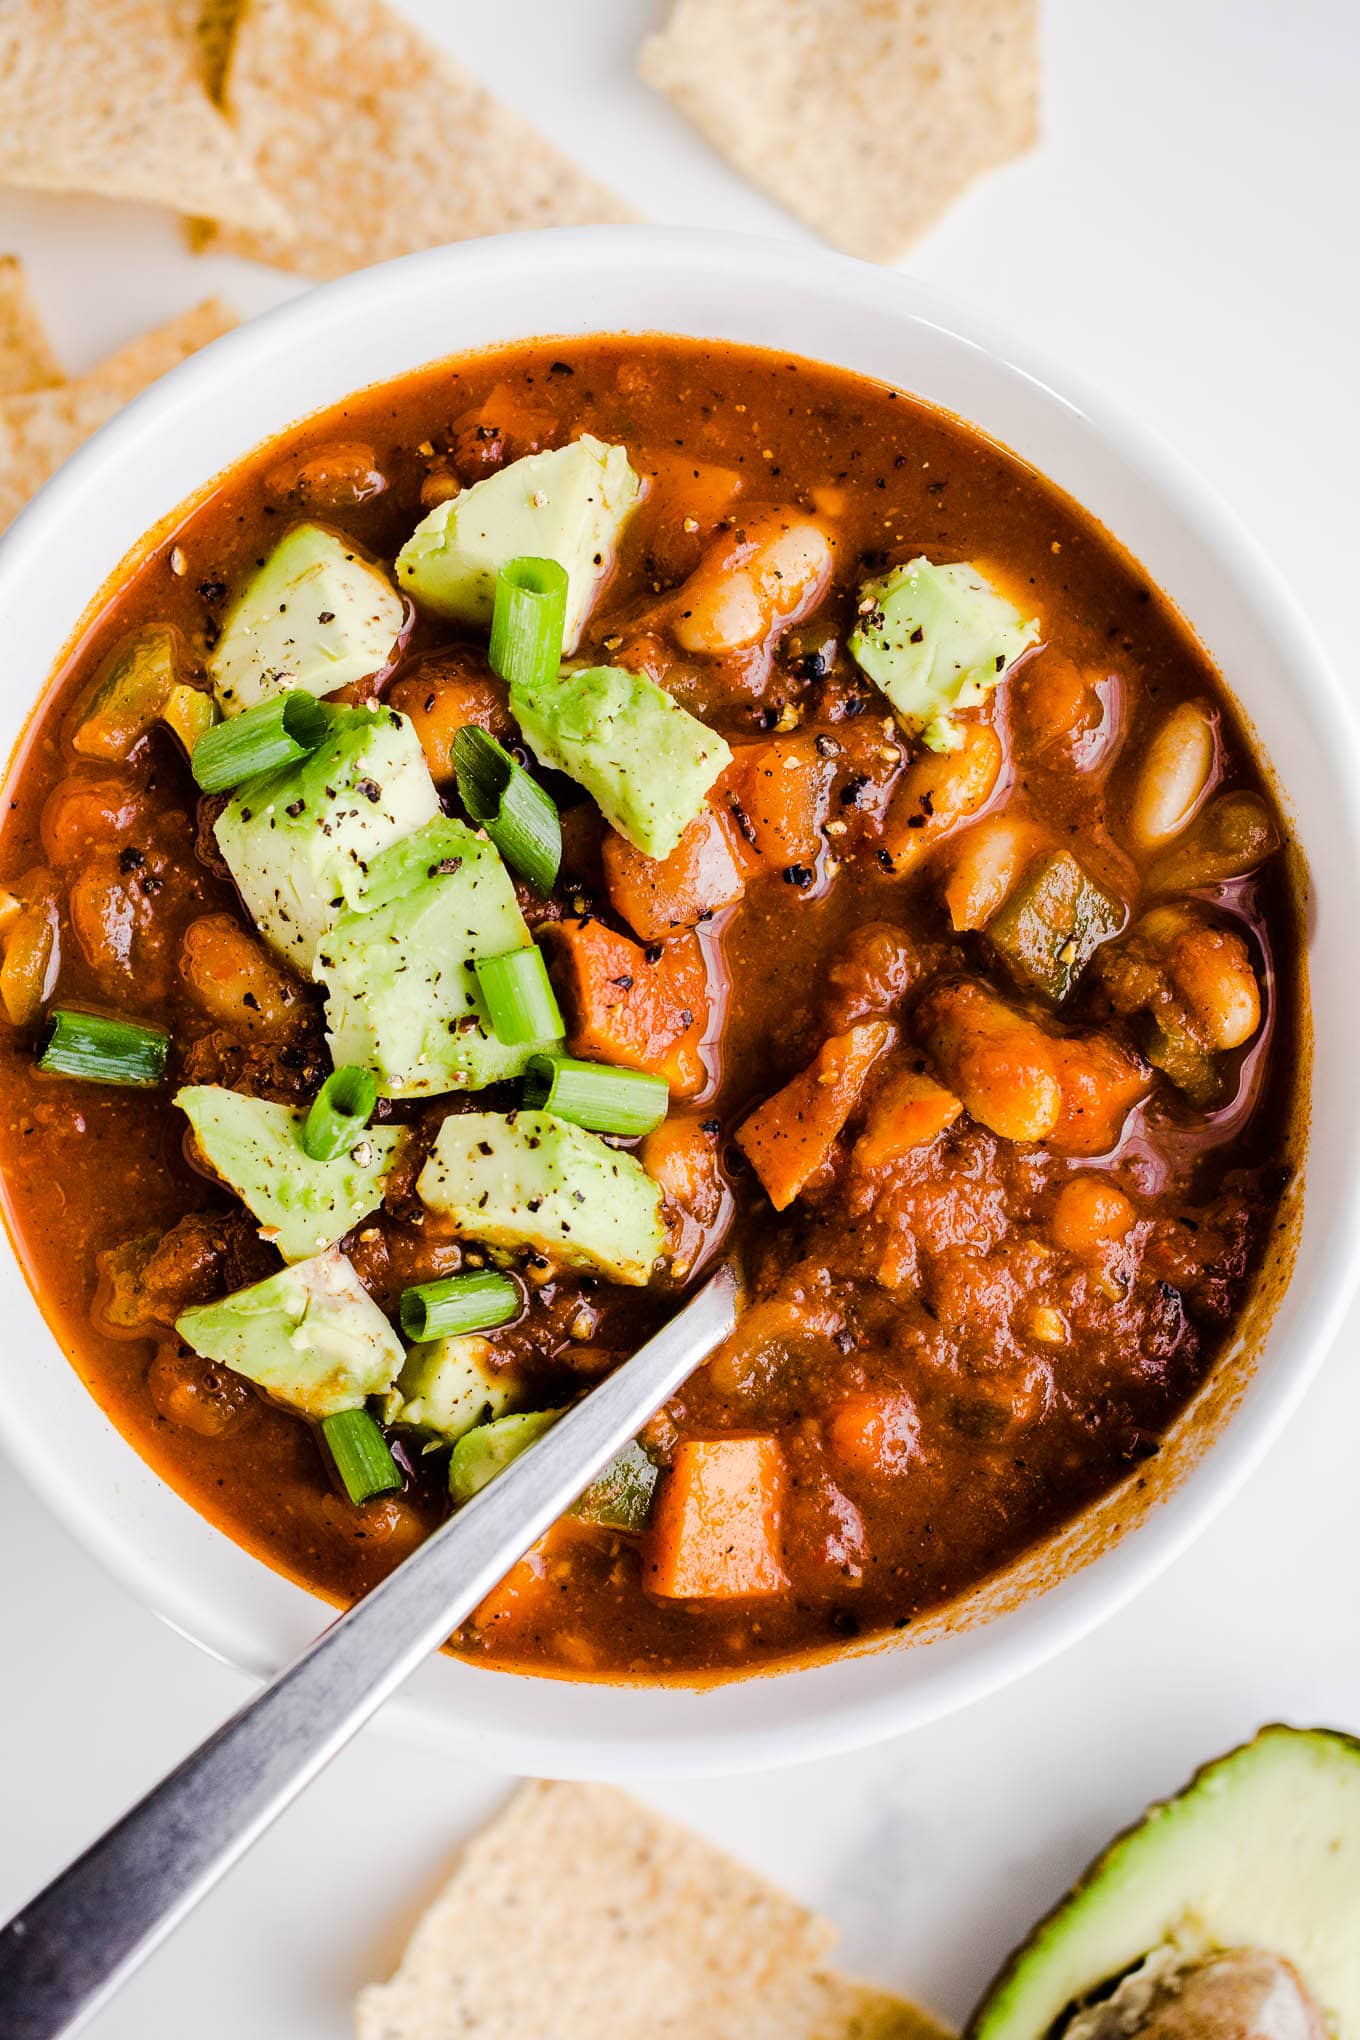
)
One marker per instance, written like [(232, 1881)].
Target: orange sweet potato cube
[(715, 1527)]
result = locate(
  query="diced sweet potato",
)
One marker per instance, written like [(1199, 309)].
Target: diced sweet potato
[(1101, 1083), (646, 1009), (876, 1434), (776, 793), (1001, 1064), (236, 982), (909, 1110), (656, 895), (787, 1139), (715, 1528), (682, 1156), (443, 697)]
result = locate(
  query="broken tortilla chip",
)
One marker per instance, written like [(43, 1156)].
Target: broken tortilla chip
[(108, 99), (26, 360), (865, 120), (40, 430), (377, 143), (619, 1918)]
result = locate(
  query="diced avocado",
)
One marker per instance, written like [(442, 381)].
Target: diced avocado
[(299, 842), (402, 997), (315, 616), (255, 1146), (311, 1335), (527, 1179), (446, 1387), (569, 504), (481, 1454), (936, 639), (621, 1497), (648, 762), (1051, 926), (1259, 1855)]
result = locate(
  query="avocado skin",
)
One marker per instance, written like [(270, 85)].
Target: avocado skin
[(995, 2017)]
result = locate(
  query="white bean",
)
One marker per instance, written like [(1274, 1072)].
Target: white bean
[(1173, 777), (772, 570)]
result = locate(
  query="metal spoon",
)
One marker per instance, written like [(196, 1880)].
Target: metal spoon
[(70, 1948)]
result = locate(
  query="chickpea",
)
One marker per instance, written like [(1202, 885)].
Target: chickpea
[(1174, 776), (1089, 1214), (235, 981), (941, 789), (999, 1063), (772, 569), (985, 866)]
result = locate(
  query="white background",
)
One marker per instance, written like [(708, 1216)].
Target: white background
[(1187, 236)]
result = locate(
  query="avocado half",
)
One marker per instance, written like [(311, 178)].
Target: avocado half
[(1260, 1851)]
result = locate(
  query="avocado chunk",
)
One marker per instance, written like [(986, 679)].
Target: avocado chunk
[(299, 842), (569, 504), (528, 1179), (402, 997), (621, 1497), (648, 762), (935, 639), (315, 616), (311, 1336), (447, 1386), (256, 1148), (1051, 926), (481, 1454), (1260, 1853)]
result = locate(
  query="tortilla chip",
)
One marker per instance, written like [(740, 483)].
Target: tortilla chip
[(377, 143), (26, 360), (866, 120), (580, 1911), (40, 430), (107, 98), (209, 26)]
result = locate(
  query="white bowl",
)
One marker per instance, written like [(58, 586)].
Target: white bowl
[(257, 381)]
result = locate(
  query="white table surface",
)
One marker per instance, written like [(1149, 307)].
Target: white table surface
[(1186, 236)]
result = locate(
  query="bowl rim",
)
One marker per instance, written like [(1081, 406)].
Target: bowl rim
[(1077, 1603)]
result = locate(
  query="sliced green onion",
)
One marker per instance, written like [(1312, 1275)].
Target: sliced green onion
[(520, 818), (595, 1096), (340, 1111), (273, 733), (528, 620), (361, 1457), (458, 1304), (105, 1051), (519, 997)]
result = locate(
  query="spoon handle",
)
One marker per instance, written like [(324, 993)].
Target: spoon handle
[(71, 1947)]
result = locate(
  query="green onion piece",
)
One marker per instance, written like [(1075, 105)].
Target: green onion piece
[(520, 818), (340, 1111), (595, 1096), (105, 1051), (458, 1304), (519, 997), (527, 622), (273, 733), (361, 1457)]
